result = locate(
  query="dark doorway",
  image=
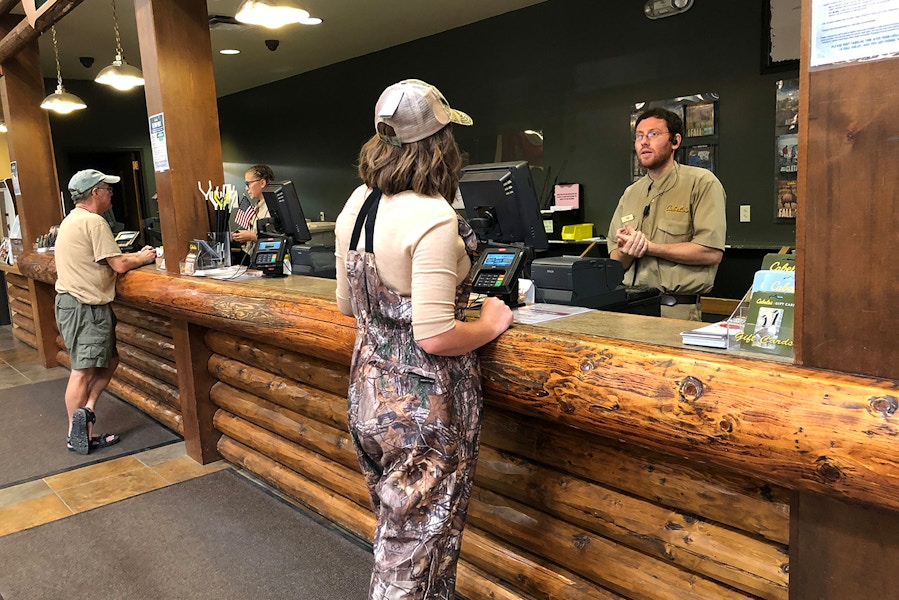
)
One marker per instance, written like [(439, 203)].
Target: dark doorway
[(128, 202)]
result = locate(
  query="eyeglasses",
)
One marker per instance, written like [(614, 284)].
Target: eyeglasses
[(650, 136), (247, 183), (105, 187)]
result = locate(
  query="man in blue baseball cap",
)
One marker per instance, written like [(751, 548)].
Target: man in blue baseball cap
[(87, 263)]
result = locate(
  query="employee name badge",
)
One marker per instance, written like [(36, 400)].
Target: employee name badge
[(627, 219)]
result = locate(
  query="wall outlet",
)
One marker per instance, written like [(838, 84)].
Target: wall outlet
[(744, 213)]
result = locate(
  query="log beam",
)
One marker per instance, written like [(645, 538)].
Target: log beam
[(18, 38)]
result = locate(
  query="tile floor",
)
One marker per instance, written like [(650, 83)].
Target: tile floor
[(58, 496)]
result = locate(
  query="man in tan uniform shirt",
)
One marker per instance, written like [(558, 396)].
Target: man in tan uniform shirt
[(87, 261), (669, 228)]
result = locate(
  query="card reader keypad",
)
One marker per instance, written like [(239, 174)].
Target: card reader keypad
[(266, 258), (490, 279)]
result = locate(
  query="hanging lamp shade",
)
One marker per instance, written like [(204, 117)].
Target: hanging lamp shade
[(273, 13), (61, 101), (119, 74)]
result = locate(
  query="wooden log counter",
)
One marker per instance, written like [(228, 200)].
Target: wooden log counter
[(615, 463)]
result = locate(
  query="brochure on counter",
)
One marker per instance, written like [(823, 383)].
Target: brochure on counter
[(722, 334), (531, 314)]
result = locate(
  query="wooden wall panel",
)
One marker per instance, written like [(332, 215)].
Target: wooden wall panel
[(847, 267)]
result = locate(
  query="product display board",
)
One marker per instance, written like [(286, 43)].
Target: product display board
[(786, 149), (769, 321)]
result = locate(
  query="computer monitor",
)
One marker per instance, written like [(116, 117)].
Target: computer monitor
[(287, 216), (501, 204)]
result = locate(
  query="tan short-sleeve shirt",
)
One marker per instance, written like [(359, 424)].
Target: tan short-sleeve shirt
[(83, 244), (687, 204)]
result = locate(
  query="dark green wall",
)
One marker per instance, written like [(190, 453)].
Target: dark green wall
[(572, 68), (112, 121)]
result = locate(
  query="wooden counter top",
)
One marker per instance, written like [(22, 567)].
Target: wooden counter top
[(802, 428)]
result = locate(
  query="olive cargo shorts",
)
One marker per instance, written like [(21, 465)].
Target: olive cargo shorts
[(88, 331)]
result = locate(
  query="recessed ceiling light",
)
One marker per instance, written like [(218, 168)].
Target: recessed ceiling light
[(229, 51)]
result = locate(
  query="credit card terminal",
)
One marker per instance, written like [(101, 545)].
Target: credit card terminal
[(268, 256), (497, 271), (127, 241)]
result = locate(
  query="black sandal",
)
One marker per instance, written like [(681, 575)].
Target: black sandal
[(101, 441), (97, 441), (78, 441)]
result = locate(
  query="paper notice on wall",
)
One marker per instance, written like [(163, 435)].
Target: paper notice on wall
[(14, 167), (846, 30), (568, 195), (157, 143)]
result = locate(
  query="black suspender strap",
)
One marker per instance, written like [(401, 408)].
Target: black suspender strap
[(367, 215)]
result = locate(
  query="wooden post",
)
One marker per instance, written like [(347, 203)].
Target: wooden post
[(848, 184), (194, 383), (31, 148), (174, 41)]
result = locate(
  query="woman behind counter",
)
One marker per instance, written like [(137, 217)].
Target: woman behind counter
[(256, 178), (415, 388)]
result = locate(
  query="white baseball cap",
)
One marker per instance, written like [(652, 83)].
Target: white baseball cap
[(415, 110)]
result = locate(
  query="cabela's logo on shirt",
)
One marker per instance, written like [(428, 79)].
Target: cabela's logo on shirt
[(678, 209)]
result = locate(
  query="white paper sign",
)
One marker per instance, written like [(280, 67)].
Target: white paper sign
[(844, 30), (15, 178), (157, 143)]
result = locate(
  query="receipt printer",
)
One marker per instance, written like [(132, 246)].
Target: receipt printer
[(314, 261), (588, 282)]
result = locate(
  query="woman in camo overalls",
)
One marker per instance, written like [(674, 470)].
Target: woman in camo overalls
[(415, 389)]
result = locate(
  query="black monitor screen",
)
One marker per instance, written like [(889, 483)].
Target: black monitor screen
[(286, 211), (501, 204)]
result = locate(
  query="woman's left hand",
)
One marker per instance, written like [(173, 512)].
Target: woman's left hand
[(243, 236)]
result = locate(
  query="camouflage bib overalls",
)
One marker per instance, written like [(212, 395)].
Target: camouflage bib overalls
[(415, 420)]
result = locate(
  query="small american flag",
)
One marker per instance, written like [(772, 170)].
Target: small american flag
[(246, 214)]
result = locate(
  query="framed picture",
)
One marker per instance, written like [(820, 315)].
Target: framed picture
[(787, 104), (700, 119), (702, 156), (787, 149), (787, 199), (677, 109)]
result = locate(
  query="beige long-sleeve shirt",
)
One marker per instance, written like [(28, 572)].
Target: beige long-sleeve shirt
[(418, 253)]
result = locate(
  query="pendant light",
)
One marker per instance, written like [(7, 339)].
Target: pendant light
[(273, 13), (119, 74), (61, 101)]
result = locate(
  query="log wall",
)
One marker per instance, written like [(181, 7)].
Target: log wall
[(20, 310), (565, 513), (146, 376)]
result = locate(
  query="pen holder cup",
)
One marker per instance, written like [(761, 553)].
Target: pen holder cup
[(221, 243)]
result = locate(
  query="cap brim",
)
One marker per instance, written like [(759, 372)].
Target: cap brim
[(459, 117)]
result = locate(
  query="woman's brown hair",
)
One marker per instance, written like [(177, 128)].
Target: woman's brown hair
[(429, 167), (262, 172)]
